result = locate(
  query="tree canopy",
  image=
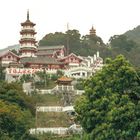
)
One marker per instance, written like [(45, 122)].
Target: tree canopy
[(109, 108), (122, 42), (16, 112), (73, 41)]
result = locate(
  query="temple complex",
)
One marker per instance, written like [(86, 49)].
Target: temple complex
[(33, 58)]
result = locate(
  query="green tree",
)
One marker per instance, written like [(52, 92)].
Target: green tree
[(13, 93), (2, 73), (122, 42), (44, 78), (109, 108), (16, 112), (14, 122), (70, 38), (57, 38), (73, 40), (26, 78)]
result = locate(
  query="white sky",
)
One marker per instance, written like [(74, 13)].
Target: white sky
[(109, 17)]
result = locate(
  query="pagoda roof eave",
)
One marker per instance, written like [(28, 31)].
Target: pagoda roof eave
[(28, 22)]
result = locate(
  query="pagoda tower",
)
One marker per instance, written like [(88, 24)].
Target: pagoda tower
[(92, 31), (27, 42)]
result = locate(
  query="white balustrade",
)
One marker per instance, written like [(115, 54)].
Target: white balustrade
[(57, 130), (54, 108)]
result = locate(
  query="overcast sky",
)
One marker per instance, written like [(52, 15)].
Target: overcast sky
[(109, 17)]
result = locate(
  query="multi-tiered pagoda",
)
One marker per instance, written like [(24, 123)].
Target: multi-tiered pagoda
[(92, 31), (28, 46)]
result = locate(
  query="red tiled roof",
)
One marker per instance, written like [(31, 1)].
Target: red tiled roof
[(64, 78)]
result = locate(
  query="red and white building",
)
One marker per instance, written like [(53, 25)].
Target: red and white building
[(51, 51), (71, 60), (7, 57), (49, 58)]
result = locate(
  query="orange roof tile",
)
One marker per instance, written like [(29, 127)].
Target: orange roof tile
[(64, 78)]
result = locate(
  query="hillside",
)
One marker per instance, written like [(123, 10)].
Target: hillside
[(134, 34), (12, 47), (89, 45)]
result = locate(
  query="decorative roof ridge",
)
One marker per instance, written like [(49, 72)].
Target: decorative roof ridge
[(71, 55)]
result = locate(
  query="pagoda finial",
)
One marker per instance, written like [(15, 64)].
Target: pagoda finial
[(28, 14)]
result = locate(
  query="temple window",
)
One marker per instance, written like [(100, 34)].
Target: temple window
[(9, 57)]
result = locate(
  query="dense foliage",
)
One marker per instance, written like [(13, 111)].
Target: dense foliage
[(2, 73), (134, 34), (121, 44), (109, 108), (16, 112), (73, 41)]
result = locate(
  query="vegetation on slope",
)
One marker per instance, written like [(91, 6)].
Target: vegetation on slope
[(109, 108), (134, 34), (16, 112)]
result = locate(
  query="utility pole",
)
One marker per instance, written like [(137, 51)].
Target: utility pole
[(67, 49)]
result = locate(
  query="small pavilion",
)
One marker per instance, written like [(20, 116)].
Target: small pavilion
[(64, 81)]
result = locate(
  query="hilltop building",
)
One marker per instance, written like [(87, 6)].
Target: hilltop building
[(51, 51), (92, 31), (34, 58)]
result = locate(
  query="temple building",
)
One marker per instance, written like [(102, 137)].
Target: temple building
[(71, 60), (33, 58), (28, 46), (92, 31), (64, 81), (7, 57), (51, 51)]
